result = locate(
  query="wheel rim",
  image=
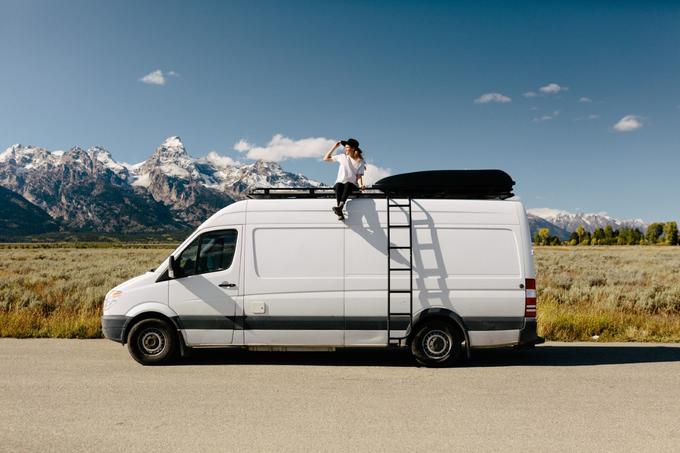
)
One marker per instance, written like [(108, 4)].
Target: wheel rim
[(152, 342), (436, 344)]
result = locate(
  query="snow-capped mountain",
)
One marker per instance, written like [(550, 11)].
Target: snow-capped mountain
[(590, 221), (88, 189), (536, 223)]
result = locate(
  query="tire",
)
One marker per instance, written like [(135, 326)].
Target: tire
[(437, 344), (152, 342)]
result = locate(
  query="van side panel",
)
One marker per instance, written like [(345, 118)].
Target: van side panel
[(366, 274), (467, 256), (311, 280), (294, 277)]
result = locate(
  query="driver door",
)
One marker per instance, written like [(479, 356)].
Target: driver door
[(205, 291)]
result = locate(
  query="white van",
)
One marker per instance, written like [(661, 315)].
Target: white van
[(407, 268)]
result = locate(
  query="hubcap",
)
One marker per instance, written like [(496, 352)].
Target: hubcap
[(436, 344), (152, 342)]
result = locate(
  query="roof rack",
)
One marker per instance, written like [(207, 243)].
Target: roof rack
[(459, 184), (308, 192)]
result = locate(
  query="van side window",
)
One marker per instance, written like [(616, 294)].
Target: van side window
[(210, 252), (186, 263), (216, 251)]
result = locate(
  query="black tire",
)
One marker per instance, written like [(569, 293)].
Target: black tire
[(152, 342), (437, 344)]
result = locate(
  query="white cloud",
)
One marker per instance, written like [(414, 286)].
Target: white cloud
[(492, 97), (540, 119), (593, 116), (553, 88), (173, 73), (154, 78), (221, 161), (281, 148), (584, 99), (628, 123), (530, 94), (242, 146), (375, 173), (534, 108)]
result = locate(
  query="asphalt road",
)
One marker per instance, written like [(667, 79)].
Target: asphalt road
[(89, 395)]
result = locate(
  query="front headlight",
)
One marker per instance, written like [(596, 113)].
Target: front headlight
[(111, 298)]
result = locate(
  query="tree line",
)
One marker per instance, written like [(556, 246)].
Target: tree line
[(661, 233)]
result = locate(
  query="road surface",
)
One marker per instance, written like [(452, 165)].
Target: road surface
[(89, 395)]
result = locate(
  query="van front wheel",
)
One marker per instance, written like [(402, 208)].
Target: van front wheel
[(437, 344), (152, 342)]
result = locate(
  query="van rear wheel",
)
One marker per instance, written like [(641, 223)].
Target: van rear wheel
[(437, 344), (152, 342)]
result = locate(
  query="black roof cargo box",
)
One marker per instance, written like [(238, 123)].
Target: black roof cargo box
[(476, 184), (468, 184)]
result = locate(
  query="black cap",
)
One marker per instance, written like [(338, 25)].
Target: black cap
[(353, 143)]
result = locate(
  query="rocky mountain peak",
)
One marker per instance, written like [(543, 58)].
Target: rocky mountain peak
[(22, 155), (172, 149), (170, 160)]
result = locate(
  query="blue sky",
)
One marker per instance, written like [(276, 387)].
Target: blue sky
[(402, 77)]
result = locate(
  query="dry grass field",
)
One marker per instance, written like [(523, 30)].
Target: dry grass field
[(58, 292), (610, 293), (626, 293)]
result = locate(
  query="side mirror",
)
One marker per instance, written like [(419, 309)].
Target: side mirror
[(171, 267)]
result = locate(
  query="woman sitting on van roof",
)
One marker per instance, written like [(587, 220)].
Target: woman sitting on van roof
[(350, 173)]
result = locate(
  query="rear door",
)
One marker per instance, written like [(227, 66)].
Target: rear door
[(206, 292)]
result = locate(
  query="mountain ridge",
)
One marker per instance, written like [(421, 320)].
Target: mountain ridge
[(88, 190), (570, 221)]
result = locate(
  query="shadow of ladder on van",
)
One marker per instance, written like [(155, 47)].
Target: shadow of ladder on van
[(391, 204)]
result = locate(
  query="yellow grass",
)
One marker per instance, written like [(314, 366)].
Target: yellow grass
[(614, 293), (58, 292)]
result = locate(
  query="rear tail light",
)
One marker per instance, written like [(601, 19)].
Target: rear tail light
[(530, 298)]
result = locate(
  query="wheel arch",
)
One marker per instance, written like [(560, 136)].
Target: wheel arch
[(154, 310), (440, 313)]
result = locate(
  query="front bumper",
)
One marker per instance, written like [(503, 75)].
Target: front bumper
[(528, 335), (113, 327)]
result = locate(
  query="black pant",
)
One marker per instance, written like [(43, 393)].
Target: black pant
[(343, 190)]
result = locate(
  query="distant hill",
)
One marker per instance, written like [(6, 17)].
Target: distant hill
[(20, 217)]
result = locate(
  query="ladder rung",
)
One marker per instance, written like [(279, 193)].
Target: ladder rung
[(400, 314), (399, 247), (398, 226), (400, 268), (399, 205), (400, 291)]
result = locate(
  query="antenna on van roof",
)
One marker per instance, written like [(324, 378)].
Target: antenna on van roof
[(460, 184)]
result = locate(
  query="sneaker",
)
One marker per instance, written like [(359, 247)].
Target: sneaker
[(337, 210)]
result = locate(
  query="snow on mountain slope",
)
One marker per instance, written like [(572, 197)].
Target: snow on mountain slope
[(172, 187), (590, 221)]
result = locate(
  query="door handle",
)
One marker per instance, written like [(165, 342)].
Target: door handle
[(227, 285)]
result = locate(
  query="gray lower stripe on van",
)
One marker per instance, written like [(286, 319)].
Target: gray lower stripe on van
[(494, 323), (332, 322), (292, 322), (209, 322)]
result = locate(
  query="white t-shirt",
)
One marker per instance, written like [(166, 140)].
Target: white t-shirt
[(350, 169)]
